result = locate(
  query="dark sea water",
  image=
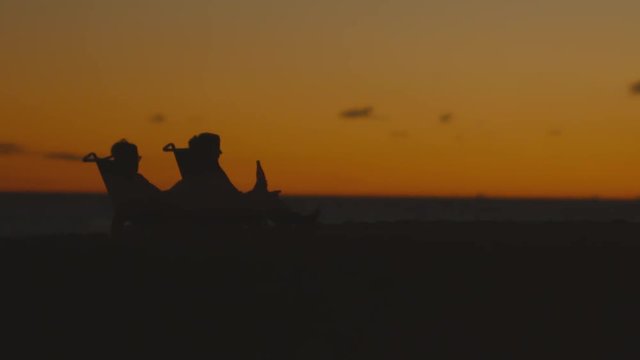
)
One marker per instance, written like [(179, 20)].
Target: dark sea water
[(24, 214)]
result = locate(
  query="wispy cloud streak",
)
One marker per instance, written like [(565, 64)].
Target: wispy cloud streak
[(61, 155), (357, 113), (446, 118), (11, 149), (158, 118)]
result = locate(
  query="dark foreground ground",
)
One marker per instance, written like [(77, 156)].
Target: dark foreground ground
[(377, 291)]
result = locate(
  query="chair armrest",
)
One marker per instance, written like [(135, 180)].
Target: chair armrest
[(91, 157), (170, 147)]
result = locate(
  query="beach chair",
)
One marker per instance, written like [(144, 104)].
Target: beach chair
[(188, 168), (123, 211), (107, 170), (257, 197), (259, 194)]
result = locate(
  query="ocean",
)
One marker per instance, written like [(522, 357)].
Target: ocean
[(29, 214)]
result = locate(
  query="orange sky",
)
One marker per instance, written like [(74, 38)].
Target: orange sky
[(539, 93)]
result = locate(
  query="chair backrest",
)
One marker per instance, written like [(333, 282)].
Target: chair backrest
[(109, 173), (184, 159), (107, 169)]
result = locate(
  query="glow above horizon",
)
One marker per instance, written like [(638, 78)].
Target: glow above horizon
[(539, 93)]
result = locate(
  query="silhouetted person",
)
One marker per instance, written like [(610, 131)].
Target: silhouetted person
[(133, 195), (208, 186)]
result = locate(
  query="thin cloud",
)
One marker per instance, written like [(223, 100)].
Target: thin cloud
[(158, 118), (635, 88), (357, 113), (7, 149), (11, 149), (399, 134), (64, 156), (446, 118)]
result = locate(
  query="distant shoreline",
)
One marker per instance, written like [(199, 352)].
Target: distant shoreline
[(373, 197), (26, 214)]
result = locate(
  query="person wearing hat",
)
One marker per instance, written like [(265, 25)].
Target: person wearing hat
[(208, 186), (126, 162), (134, 197)]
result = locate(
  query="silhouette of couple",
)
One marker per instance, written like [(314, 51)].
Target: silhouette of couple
[(205, 190)]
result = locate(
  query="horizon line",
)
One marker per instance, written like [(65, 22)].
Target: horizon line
[(373, 196)]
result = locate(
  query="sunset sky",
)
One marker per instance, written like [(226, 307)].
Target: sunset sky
[(539, 93)]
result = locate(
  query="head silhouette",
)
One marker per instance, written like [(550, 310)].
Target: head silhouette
[(125, 156), (205, 147)]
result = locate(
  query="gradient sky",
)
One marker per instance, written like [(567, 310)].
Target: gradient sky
[(539, 92)]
